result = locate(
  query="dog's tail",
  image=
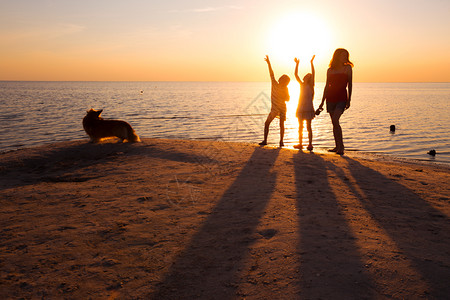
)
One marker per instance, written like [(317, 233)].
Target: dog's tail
[(132, 136)]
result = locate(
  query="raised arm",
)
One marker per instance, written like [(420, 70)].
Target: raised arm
[(272, 76), (313, 72), (297, 61)]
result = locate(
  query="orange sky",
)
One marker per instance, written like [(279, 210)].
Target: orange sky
[(388, 41)]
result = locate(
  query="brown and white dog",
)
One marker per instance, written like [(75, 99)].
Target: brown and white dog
[(97, 128)]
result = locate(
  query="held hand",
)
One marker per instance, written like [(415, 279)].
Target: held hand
[(319, 110), (347, 104), (296, 60)]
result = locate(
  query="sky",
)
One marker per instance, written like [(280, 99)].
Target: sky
[(178, 40)]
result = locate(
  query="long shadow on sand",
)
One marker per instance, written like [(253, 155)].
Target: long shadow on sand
[(210, 265), (330, 264), (411, 222), (62, 161)]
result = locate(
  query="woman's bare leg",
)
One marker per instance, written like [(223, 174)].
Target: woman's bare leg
[(337, 130)]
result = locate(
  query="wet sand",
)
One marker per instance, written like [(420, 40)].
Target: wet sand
[(176, 219)]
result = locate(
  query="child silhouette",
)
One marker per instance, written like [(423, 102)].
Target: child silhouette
[(279, 97), (305, 109)]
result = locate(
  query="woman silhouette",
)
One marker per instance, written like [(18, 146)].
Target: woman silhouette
[(339, 80)]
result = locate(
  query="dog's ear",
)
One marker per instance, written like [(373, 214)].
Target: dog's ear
[(100, 111)]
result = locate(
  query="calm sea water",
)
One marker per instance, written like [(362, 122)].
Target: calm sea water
[(34, 113)]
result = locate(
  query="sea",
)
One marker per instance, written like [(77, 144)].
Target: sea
[(38, 113)]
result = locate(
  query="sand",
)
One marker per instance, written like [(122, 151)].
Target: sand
[(175, 219)]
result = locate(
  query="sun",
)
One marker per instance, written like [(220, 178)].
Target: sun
[(299, 35)]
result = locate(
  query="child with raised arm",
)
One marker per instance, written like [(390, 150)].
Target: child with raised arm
[(279, 97), (305, 109)]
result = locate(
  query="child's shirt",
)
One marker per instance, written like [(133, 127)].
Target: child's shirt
[(279, 96)]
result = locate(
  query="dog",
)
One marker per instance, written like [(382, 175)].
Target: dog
[(97, 128)]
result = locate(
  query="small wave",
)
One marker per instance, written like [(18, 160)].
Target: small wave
[(12, 117), (202, 117)]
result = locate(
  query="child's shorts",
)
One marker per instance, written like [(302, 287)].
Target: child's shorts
[(332, 106), (278, 113)]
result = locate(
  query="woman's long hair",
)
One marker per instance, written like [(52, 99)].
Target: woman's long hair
[(337, 53)]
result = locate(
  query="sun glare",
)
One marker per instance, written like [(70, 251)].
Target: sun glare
[(299, 35)]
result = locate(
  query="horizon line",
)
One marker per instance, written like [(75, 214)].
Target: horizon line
[(13, 80)]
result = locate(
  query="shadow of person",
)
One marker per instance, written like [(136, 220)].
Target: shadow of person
[(419, 230), (209, 266), (58, 162), (330, 264)]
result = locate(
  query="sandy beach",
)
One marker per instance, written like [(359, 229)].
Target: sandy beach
[(177, 219)]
